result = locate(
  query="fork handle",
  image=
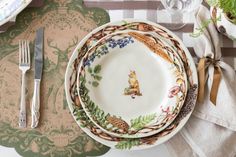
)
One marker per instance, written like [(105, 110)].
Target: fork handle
[(35, 104), (22, 118)]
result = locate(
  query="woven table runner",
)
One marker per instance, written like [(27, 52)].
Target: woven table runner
[(65, 23)]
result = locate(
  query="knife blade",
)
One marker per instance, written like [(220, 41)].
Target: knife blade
[(38, 58)]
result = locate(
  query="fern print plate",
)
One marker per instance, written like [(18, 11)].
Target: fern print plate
[(130, 82), (129, 143), (10, 8)]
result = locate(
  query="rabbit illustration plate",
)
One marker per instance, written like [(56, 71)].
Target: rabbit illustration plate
[(130, 82)]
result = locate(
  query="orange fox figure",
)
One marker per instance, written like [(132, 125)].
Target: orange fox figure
[(133, 88)]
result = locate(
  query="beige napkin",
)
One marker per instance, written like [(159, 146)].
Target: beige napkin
[(208, 45), (210, 132)]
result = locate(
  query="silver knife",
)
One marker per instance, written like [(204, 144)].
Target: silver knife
[(38, 58)]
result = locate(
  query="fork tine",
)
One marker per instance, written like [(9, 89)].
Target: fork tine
[(20, 52), (23, 52), (28, 50), (26, 53)]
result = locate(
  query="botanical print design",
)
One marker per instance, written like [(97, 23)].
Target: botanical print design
[(109, 122), (124, 143), (133, 89), (94, 73), (103, 50), (129, 143), (120, 42), (151, 44), (65, 24), (98, 53), (179, 87)]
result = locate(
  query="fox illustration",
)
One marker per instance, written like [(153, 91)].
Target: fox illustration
[(133, 89)]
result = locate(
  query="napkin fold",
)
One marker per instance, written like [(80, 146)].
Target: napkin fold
[(210, 131), (207, 45)]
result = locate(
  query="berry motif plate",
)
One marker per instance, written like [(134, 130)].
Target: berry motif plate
[(129, 143), (10, 8), (130, 82)]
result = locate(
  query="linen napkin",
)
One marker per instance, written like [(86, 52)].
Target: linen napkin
[(210, 132), (223, 112)]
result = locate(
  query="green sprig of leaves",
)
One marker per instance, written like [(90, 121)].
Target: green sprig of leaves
[(199, 31), (128, 144), (142, 121), (94, 72), (81, 116)]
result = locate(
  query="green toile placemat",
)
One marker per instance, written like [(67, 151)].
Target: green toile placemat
[(66, 22)]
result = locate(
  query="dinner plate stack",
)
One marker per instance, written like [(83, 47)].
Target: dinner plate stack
[(131, 84)]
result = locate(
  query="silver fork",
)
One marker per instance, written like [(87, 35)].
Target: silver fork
[(24, 65)]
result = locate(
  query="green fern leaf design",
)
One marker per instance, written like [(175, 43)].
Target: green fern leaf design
[(142, 121), (97, 69), (80, 115), (128, 144)]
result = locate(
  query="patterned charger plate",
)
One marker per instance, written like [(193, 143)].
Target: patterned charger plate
[(11, 8), (129, 143), (130, 82)]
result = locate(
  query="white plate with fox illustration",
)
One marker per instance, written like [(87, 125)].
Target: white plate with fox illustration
[(130, 82), (95, 132)]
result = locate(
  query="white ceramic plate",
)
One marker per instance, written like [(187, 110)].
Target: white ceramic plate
[(126, 143), (131, 82), (11, 8)]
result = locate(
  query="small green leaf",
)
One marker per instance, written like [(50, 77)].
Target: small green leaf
[(97, 68), (90, 70), (81, 78), (92, 75), (95, 83), (97, 77)]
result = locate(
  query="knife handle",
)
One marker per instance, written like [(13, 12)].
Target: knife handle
[(35, 104)]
